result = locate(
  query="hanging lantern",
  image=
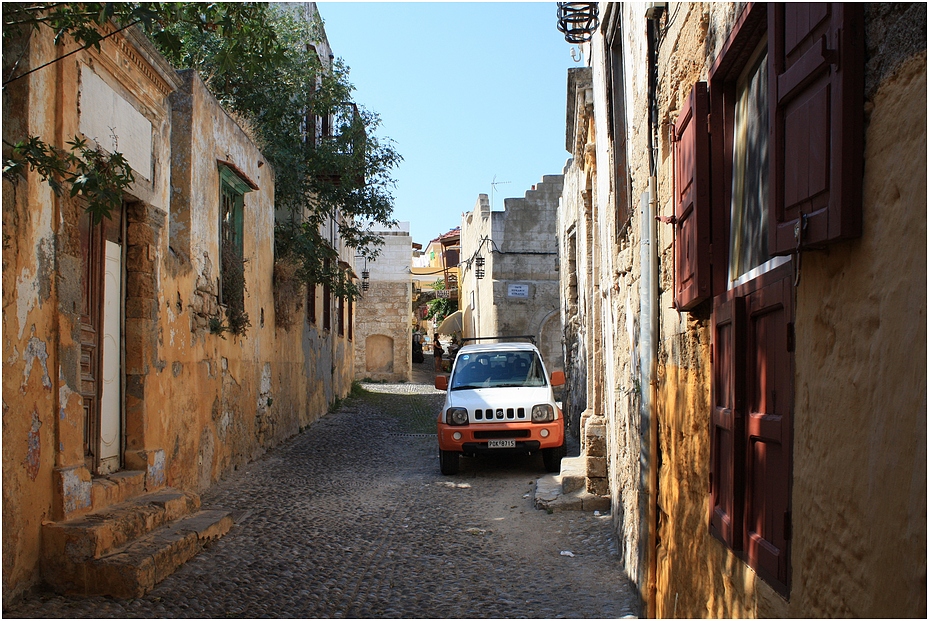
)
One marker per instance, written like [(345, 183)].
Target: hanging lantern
[(578, 20), (479, 268), (365, 276)]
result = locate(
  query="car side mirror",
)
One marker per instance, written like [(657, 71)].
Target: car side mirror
[(558, 378), (441, 382)]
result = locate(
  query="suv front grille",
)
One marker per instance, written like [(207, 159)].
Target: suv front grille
[(500, 414), (505, 433)]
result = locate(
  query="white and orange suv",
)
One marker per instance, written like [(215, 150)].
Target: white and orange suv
[(499, 399)]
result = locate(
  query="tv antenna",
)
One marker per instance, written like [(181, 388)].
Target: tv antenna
[(493, 189)]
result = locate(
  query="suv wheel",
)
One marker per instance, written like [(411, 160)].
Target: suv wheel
[(448, 462), (552, 458)]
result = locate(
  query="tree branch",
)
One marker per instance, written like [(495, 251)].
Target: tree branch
[(71, 53)]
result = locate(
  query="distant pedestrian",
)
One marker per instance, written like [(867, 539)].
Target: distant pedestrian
[(453, 349), (437, 351)]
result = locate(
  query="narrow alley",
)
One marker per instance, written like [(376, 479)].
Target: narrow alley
[(351, 518)]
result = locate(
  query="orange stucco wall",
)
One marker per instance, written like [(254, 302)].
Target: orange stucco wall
[(196, 404), (859, 435)]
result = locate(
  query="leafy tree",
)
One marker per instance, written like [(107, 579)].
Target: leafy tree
[(98, 176), (258, 62), (440, 308), (342, 178)]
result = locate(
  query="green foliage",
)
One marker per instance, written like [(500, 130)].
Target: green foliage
[(341, 180), (440, 308), (257, 60), (89, 172), (82, 22)]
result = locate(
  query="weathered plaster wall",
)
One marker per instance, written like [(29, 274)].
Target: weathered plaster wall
[(29, 357), (44, 474), (197, 404), (859, 448), (860, 430), (233, 397)]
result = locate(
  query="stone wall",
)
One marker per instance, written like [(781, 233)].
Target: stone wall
[(518, 294), (383, 325), (858, 540)]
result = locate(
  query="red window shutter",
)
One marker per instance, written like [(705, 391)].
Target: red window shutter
[(769, 402), (727, 421), (816, 69), (692, 201)]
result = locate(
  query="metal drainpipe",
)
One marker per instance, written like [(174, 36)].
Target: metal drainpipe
[(653, 401), (653, 327)]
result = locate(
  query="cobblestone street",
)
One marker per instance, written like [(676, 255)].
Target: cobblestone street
[(352, 518)]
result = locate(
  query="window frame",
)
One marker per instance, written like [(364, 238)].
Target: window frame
[(756, 305), (234, 186), (327, 296), (311, 303), (351, 318), (616, 122)]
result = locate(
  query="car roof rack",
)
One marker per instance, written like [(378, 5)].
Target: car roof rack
[(527, 337)]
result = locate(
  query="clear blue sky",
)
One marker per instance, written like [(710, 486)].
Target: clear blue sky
[(467, 91)]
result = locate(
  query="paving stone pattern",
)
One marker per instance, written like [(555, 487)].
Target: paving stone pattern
[(352, 519)]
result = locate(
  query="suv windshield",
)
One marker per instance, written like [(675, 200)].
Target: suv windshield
[(498, 370)]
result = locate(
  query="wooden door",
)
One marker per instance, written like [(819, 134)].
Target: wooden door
[(101, 343)]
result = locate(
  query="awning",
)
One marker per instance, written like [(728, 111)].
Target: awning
[(450, 324)]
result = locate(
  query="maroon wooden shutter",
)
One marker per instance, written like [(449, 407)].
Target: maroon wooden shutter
[(692, 201), (327, 297), (351, 318), (816, 74), (769, 402), (727, 422), (311, 302)]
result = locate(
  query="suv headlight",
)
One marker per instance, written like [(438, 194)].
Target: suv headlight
[(456, 416), (543, 413)]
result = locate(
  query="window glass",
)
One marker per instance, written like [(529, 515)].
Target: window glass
[(748, 241), (232, 271), (498, 370)]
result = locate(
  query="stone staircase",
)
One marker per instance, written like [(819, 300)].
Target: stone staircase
[(567, 490), (130, 541)]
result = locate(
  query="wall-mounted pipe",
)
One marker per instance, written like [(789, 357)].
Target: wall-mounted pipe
[(652, 320)]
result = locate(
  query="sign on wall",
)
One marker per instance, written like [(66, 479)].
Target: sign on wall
[(517, 291)]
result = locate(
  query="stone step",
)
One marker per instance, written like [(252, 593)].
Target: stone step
[(125, 549), (96, 534), (573, 475), (134, 569), (567, 490), (116, 488)]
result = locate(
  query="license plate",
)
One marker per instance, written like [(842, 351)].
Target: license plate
[(501, 444)]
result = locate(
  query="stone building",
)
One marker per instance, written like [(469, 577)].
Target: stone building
[(383, 321), (437, 263), (509, 269), (123, 394), (743, 252)]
